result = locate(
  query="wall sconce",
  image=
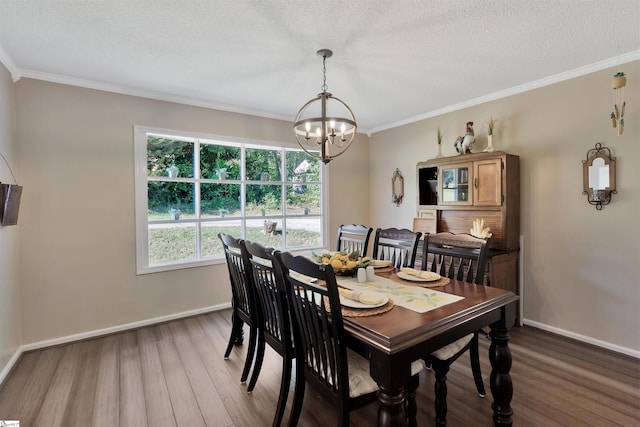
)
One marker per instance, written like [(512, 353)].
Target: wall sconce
[(599, 176), (397, 187), (9, 199), (10, 203)]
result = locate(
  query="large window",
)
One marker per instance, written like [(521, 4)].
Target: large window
[(191, 187)]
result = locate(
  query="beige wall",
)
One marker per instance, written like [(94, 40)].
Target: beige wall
[(580, 265), (9, 263), (78, 231)]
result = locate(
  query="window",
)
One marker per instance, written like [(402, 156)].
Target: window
[(191, 187)]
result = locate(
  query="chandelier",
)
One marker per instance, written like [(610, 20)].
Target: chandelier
[(325, 126)]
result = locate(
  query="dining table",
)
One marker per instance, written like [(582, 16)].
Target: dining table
[(422, 320)]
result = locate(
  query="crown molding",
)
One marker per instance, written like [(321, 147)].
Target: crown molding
[(160, 96), (536, 84), (16, 74), (6, 60)]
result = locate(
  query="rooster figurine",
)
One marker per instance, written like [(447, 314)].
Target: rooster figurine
[(463, 143)]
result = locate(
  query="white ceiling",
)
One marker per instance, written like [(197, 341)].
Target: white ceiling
[(395, 61)]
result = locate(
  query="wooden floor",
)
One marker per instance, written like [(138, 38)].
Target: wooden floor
[(174, 374)]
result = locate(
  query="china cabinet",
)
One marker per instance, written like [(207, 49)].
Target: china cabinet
[(453, 191)]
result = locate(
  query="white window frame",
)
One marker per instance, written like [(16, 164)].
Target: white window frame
[(141, 199)]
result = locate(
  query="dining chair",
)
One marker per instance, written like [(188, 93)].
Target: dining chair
[(274, 325), (243, 300), (400, 246), (353, 238), (460, 257), (323, 360)]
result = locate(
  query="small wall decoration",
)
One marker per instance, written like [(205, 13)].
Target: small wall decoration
[(440, 136), (397, 187), (617, 115), (491, 124), (463, 143)]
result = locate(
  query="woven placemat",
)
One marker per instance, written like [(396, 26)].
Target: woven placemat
[(363, 312), (435, 284)]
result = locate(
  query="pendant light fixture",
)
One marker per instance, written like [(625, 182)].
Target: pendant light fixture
[(325, 126)]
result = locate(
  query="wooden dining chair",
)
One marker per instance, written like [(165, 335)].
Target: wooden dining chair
[(243, 300), (461, 257), (323, 361), (400, 246), (274, 325), (353, 238)]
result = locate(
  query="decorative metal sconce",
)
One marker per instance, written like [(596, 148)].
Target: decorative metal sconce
[(9, 199), (599, 176), (397, 187)]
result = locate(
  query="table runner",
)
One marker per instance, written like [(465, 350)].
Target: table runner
[(413, 298)]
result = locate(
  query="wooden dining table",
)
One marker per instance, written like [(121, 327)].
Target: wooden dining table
[(400, 336)]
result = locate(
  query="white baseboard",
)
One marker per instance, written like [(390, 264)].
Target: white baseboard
[(105, 331), (584, 338), (9, 366)]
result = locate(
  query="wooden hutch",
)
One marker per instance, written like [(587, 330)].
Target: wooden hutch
[(453, 191)]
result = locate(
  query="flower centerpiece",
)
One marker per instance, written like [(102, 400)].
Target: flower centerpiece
[(343, 263)]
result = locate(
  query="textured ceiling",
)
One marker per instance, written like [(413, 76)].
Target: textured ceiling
[(394, 60)]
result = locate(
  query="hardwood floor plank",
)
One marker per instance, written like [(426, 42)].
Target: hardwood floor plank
[(156, 392), (133, 412), (82, 397), (107, 397), (15, 382), (183, 400), (243, 408), (209, 401), (56, 400), (27, 408)]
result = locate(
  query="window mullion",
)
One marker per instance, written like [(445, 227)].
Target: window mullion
[(197, 198)]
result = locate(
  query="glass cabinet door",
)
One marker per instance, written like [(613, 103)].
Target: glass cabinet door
[(454, 181)]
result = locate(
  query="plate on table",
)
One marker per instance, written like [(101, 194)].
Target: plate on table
[(380, 263), (348, 302), (425, 276)]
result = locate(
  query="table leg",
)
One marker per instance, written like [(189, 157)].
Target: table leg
[(501, 385), (391, 412)]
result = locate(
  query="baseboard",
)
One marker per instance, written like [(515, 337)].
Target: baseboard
[(9, 366), (105, 331), (583, 338), (123, 327)]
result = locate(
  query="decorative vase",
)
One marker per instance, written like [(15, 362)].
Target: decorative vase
[(439, 151), (489, 148)]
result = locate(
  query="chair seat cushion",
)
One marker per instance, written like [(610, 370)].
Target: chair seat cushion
[(360, 382), (449, 350)]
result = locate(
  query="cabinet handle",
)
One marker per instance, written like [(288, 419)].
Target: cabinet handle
[(475, 183)]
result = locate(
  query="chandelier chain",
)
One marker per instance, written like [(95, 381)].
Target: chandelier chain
[(324, 73)]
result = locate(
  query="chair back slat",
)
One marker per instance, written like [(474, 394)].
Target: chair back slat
[(317, 317), (270, 296), (353, 238), (400, 246), (239, 275), (456, 256)]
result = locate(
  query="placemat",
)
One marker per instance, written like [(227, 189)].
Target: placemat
[(435, 284)]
